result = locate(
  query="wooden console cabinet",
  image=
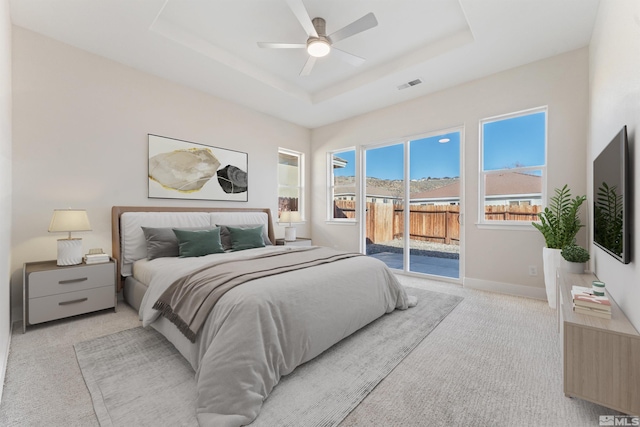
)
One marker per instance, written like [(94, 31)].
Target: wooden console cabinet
[(601, 356)]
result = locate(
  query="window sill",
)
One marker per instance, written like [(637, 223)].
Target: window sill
[(513, 225), (337, 222)]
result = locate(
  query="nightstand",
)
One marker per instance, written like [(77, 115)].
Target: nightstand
[(51, 292), (300, 241)]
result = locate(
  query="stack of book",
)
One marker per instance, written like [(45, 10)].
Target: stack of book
[(96, 258), (585, 302)]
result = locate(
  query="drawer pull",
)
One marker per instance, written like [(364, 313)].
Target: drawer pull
[(73, 301), (66, 282)]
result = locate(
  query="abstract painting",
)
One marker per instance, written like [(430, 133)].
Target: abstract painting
[(186, 170)]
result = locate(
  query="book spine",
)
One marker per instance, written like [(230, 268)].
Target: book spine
[(588, 312), (591, 305)]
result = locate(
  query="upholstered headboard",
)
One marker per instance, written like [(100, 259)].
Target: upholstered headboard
[(129, 244)]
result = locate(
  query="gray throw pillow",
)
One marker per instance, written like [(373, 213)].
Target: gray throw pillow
[(225, 235), (161, 242), (192, 243), (246, 238)]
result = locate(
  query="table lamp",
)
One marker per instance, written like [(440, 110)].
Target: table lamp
[(290, 231), (68, 220)]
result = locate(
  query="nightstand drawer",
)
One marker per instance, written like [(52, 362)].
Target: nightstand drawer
[(70, 304), (64, 280)]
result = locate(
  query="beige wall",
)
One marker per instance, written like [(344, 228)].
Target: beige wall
[(495, 259), (614, 90), (5, 184), (80, 140)]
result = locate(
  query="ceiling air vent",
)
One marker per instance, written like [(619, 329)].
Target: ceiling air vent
[(409, 84)]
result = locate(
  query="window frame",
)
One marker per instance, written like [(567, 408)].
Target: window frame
[(482, 174), (300, 187), (331, 187)]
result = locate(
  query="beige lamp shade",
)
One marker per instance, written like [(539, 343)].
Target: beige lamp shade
[(290, 216), (66, 221)]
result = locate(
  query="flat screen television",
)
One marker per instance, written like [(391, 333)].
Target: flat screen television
[(611, 198)]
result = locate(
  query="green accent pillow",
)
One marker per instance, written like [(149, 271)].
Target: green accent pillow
[(246, 238), (192, 243), (225, 235)]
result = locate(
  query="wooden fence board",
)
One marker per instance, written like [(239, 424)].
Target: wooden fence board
[(433, 223)]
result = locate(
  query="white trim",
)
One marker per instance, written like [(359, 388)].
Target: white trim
[(427, 276), (301, 180), (5, 361), (330, 185), (506, 288), (349, 222), (482, 173), (506, 225)]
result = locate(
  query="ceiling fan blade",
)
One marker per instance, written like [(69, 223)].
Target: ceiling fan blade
[(270, 45), (308, 66), (298, 9), (367, 22), (347, 57)]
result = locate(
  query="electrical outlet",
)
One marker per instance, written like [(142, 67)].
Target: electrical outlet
[(533, 270)]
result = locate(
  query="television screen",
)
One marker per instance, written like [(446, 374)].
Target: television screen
[(611, 198)]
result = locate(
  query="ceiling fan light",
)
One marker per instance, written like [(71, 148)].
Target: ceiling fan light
[(318, 48)]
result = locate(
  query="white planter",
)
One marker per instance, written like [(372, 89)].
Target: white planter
[(573, 267), (551, 259)]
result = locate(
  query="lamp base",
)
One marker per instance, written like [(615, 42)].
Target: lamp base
[(290, 234), (69, 251)]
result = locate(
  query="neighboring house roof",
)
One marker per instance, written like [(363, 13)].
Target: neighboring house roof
[(502, 184), (448, 191), (339, 162), (513, 183)]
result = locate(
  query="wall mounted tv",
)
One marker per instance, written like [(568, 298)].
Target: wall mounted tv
[(611, 195)]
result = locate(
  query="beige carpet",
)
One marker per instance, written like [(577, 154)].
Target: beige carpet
[(495, 360)]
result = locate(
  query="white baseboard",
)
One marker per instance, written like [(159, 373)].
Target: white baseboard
[(5, 361), (505, 288)]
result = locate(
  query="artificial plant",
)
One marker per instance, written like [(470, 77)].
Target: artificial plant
[(559, 222)]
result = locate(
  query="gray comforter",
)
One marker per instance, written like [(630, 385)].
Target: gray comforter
[(263, 329)]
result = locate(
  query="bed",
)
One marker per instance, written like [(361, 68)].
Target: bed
[(286, 313)]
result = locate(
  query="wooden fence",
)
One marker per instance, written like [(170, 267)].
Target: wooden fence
[(433, 223)]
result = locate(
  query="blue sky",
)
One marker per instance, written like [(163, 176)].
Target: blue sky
[(518, 141)]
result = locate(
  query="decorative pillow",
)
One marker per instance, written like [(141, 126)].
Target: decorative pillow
[(161, 242), (225, 235), (192, 243), (246, 238)]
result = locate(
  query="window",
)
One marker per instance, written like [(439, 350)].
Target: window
[(512, 167), (291, 183), (342, 185)]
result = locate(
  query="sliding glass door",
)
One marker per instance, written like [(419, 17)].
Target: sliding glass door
[(413, 198), (384, 204)]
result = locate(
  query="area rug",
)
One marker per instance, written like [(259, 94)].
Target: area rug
[(136, 377)]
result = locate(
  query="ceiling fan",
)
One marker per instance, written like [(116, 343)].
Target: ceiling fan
[(319, 44)]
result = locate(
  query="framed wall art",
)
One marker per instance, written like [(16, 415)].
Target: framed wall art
[(187, 170)]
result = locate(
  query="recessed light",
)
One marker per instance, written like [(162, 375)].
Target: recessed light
[(443, 140)]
